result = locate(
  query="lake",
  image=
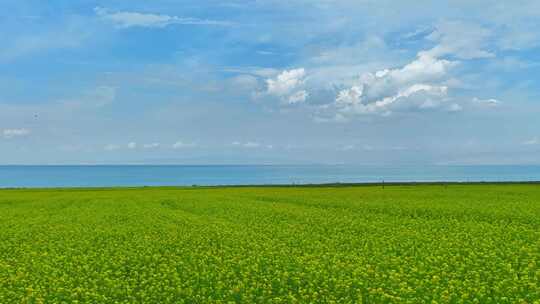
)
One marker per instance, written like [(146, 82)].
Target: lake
[(178, 175)]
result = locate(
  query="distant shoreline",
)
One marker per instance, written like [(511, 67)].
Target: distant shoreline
[(269, 165), (307, 185)]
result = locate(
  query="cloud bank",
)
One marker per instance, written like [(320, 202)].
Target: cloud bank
[(424, 84)]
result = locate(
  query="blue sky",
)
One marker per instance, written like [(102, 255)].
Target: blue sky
[(274, 82)]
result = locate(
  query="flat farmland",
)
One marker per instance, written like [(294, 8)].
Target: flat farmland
[(347, 244)]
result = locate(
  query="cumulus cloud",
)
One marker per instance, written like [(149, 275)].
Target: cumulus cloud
[(298, 97), (286, 82), (418, 96), (350, 96), (125, 19), (288, 86), (12, 133), (423, 84), (415, 86), (132, 145)]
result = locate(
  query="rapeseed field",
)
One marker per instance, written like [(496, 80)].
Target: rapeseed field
[(361, 244)]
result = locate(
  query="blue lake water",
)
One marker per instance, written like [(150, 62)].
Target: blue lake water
[(168, 175)]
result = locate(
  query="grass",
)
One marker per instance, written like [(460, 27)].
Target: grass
[(401, 244)]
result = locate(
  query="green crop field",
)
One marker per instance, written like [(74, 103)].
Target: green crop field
[(363, 244)]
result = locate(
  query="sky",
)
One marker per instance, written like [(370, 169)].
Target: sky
[(269, 82)]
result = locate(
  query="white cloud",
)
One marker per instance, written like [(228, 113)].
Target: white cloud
[(417, 85), (132, 145), (251, 145), (349, 96), (421, 84), (298, 97), (12, 133), (288, 86), (532, 141), (265, 53), (151, 146), (491, 102), (286, 82), (424, 68), (180, 145), (460, 39), (136, 19)]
